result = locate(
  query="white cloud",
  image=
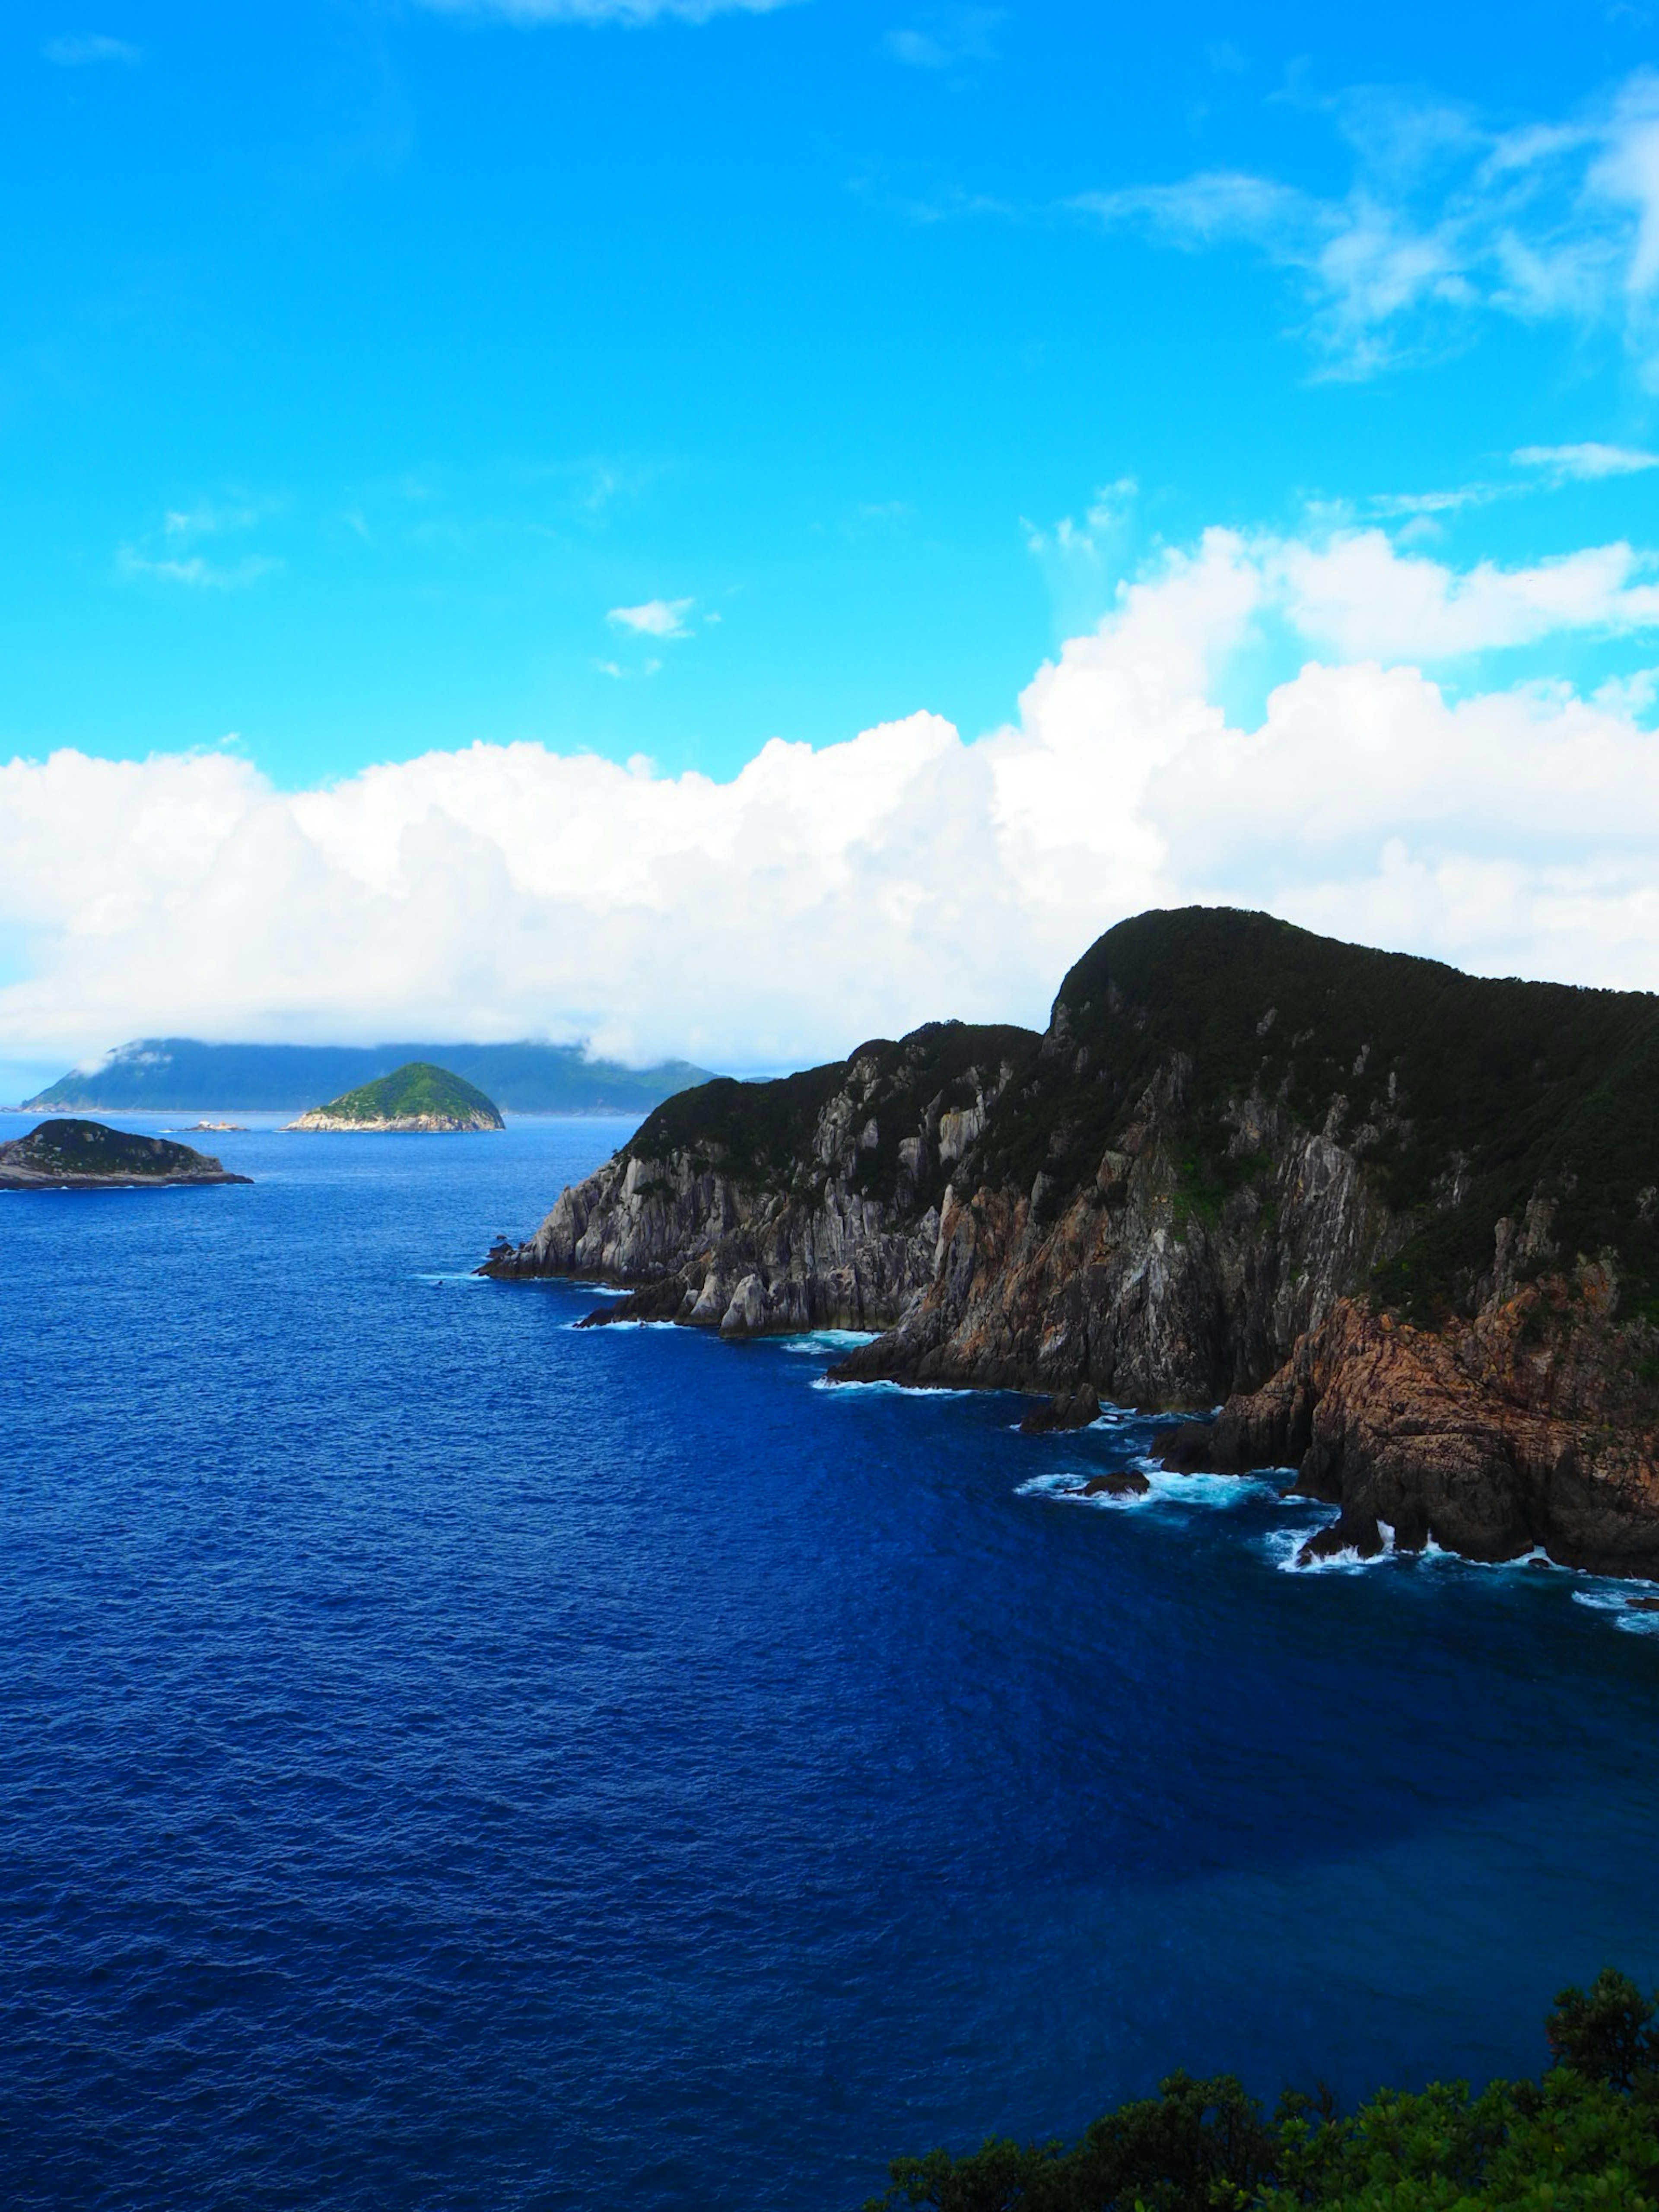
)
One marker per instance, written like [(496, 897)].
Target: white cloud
[(1443, 216), (655, 618), (194, 570), (1587, 462), (821, 896), (88, 49)]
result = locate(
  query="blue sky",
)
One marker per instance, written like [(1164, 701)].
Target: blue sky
[(383, 378), (358, 360)]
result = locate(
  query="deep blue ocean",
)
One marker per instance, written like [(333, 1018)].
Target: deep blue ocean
[(449, 1759)]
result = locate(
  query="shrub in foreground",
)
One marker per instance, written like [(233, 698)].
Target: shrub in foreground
[(1584, 2137)]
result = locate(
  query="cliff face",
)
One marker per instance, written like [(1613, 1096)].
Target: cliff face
[(1145, 1283), (1404, 1219), (811, 1203), (1531, 1424)]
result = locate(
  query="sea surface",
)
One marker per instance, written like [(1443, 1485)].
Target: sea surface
[(447, 1759)]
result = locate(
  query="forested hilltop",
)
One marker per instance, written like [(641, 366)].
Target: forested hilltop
[(1583, 2138), (1406, 1220)]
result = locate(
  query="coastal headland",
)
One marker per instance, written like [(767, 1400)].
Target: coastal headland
[(1404, 1221), (74, 1155)]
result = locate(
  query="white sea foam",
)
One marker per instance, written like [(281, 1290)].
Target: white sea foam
[(894, 1390), (826, 1340), (1612, 1598), (1189, 1491), (626, 1324)]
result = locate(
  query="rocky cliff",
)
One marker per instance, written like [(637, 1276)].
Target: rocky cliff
[(809, 1203), (1402, 1219)]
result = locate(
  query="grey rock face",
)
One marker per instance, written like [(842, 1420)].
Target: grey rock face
[(1124, 1285)]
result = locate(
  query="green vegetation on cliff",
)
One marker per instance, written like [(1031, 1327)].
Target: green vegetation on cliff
[(1464, 1099), (1583, 2138), (417, 1092)]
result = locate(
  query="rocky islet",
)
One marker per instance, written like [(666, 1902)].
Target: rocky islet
[(77, 1155)]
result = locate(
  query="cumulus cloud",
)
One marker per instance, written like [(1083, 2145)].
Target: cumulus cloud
[(821, 896), (1444, 216), (654, 618)]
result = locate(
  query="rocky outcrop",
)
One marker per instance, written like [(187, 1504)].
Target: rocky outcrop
[(1402, 1220), (320, 1123), (1532, 1424)]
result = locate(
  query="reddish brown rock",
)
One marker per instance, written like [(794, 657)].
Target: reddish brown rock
[(1529, 1424)]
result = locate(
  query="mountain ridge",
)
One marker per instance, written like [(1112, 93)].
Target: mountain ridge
[(180, 1074)]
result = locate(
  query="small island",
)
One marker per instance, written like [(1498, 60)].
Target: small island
[(88, 1156), (419, 1098)]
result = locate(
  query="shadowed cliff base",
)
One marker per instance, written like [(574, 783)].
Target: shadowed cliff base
[(1402, 1219)]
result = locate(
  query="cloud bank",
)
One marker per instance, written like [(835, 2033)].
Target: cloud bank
[(822, 897)]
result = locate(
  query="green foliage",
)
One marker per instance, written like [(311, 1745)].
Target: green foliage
[(418, 1089), (1605, 2032), (1583, 2138), (1465, 1098)]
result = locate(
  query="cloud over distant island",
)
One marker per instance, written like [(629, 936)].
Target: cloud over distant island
[(820, 896)]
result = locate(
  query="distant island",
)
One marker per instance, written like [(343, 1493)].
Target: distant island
[(419, 1099), (1404, 1221), (87, 1156), (171, 1075)]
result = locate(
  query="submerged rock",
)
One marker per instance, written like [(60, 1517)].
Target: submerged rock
[(1066, 1409), (1123, 1482), (1350, 1532)]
